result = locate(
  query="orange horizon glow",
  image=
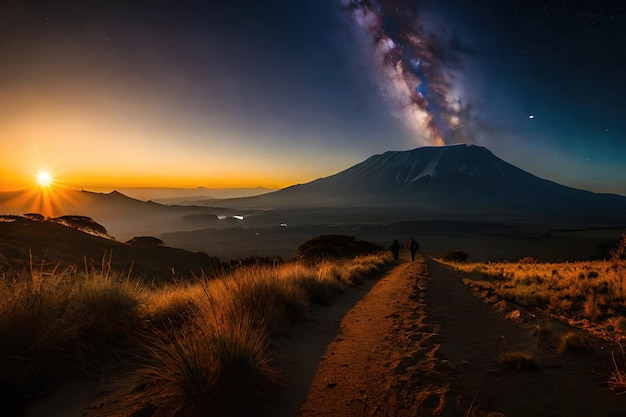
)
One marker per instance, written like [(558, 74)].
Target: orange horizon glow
[(49, 201), (44, 179), (138, 149)]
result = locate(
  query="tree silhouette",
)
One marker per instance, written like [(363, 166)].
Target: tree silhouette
[(334, 247), (456, 256), (145, 242), (82, 223)]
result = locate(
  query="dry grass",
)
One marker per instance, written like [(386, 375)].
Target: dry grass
[(573, 343), (517, 361), (220, 356), (588, 295), (204, 345), (617, 324), (172, 305), (62, 322), (591, 293), (542, 333), (206, 368), (617, 380)]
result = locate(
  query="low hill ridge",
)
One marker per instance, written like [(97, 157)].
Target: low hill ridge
[(39, 242)]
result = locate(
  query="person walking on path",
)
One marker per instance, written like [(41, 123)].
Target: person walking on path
[(413, 247), (395, 249)]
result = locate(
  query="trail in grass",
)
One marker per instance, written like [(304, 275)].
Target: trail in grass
[(298, 353), (473, 335), (383, 361), (420, 343)]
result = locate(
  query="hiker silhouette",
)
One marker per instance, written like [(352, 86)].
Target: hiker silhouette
[(395, 249), (413, 247)]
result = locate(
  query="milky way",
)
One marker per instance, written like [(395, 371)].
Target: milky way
[(418, 69)]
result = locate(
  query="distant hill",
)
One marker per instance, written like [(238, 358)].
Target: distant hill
[(124, 217), (50, 243), (453, 179), (187, 196)]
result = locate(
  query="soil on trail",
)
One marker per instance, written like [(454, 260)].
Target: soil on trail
[(421, 344), (383, 361)]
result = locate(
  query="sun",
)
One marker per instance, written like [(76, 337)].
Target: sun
[(44, 179)]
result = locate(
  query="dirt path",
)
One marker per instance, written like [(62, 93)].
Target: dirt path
[(420, 343), (383, 362), (298, 353)]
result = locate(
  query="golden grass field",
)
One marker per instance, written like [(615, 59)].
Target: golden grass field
[(587, 295), (589, 292)]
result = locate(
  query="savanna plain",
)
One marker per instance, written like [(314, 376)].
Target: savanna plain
[(491, 319)]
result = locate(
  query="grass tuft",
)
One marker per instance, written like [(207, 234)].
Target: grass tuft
[(573, 343), (207, 370), (516, 361), (617, 380), (542, 333)]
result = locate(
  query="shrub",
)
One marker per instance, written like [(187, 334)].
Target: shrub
[(333, 247), (528, 260), (145, 242), (456, 256), (619, 253)]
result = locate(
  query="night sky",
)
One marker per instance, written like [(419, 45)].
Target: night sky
[(277, 92)]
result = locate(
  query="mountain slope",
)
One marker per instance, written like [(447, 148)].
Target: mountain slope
[(28, 243), (451, 178)]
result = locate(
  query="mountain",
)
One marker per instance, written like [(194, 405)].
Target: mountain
[(186, 196), (457, 178)]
